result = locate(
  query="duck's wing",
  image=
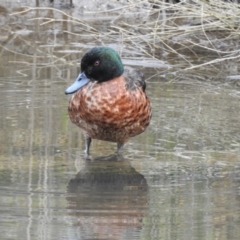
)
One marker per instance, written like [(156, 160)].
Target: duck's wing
[(134, 79)]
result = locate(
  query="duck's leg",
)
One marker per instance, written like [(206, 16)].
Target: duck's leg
[(88, 141), (119, 146)]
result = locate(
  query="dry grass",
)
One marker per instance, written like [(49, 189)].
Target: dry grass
[(188, 35)]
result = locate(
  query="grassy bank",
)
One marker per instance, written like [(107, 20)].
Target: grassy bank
[(192, 34)]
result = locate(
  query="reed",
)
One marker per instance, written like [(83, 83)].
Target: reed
[(187, 35)]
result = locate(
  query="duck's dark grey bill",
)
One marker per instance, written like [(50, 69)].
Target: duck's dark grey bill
[(79, 83)]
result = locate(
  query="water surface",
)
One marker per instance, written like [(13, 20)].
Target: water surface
[(178, 180)]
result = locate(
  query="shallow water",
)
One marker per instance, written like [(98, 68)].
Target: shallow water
[(178, 180)]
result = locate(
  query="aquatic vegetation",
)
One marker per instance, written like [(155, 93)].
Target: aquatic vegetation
[(198, 33)]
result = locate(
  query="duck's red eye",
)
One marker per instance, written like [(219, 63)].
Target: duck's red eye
[(96, 63)]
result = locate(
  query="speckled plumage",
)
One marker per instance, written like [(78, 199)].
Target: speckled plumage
[(113, 110)]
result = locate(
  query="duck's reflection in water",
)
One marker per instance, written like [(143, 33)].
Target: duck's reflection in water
[(109, 199)]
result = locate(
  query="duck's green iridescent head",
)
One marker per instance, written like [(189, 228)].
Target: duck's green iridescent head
[(99, 64)]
